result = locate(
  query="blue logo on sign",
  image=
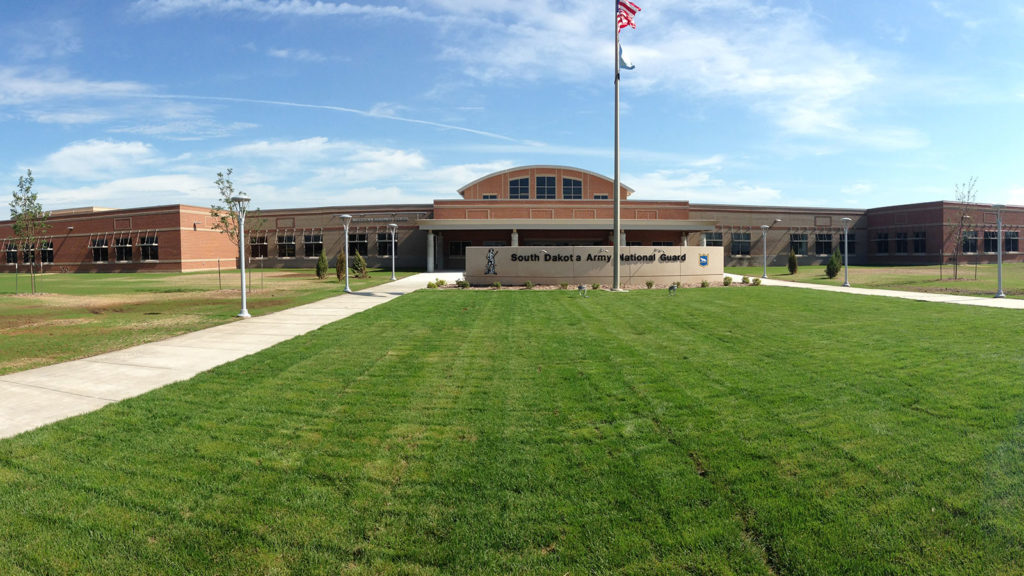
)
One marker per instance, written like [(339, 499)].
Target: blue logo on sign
[(703, 259)]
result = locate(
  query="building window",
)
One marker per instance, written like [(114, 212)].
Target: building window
[(490, 196), (313, 244), (572, 189), (713, 239), (901, 243), (28, 254), (545, 187), (99, 250), (285, 246), (970, 243), (149, 248), (12, 254), (46, 252), (661, 243), (383, 244), (882, 243), (357, 244), (458, 249), (740, 245), (123, 249), (991, 241), (600, 196), (822, 244), (257, 247), (634, 243), (519, 189), (1011, 242), (852, 239), (920, 242), (798, 244)]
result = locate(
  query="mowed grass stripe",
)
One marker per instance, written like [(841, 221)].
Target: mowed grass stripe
[(721, 431)]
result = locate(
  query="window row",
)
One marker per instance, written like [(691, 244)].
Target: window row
[(313, 245), (123, 249), (28, 253), (519, 189), (798, 243), (990, 241)]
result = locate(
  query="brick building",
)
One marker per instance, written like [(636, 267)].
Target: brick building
[(525, 206)]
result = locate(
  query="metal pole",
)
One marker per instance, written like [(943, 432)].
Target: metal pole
[(394, 254), (345, 219), (241, 253), (616, 224), (999, 219), (764, 245), (846, 252)]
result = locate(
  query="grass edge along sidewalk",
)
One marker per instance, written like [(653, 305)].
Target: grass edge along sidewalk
[(730, 431), (42, 395)]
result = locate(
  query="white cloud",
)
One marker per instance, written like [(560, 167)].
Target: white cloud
[(18, 87), (298, 55), (697, 186), (133, 192), (97, 160), (162, 8)]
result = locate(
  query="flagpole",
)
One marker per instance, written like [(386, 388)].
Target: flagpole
[(616, 225)]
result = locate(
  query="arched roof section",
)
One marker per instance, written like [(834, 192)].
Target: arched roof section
[(497, 182)]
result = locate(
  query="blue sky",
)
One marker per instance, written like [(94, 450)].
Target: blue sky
[(125, 103)]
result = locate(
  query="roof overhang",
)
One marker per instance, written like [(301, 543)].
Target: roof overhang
[(566, 224)]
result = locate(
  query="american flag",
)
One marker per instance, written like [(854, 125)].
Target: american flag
[(624, 14)]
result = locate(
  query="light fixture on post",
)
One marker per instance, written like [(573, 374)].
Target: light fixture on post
[(394, 255), (764, 244), (846, 251), (346, 219), (999, 250), (240, 202)]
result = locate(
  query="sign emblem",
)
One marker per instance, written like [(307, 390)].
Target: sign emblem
[(703, 260), (490, 262)]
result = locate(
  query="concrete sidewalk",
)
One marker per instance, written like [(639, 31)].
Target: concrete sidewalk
[(40, 396), (919, 296)]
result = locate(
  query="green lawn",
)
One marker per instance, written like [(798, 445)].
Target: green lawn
[(981, 280), (719, 431), (79, 315)]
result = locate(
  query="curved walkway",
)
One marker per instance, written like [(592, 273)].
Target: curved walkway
[(43, 395), (919, 296)]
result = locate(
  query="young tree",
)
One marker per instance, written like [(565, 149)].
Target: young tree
[(965, 195), (793, 266), (29, 221), (341, 265), (321, 266), (359, 266), (227, 215), (835, 264)]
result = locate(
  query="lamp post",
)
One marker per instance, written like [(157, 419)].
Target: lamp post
[(846, 251), (999, 250), (241, 201), (394, 255), (764, 244), (346, 219)]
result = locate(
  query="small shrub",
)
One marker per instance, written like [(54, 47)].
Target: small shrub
[(321, 266), (793, 267), (528, 285), (341, 265), (564, 285), (359, 266), (595, 286), (755, 282), (834, 264), (650, 284), (431, 285), (745, 280), (496, 285), (727, 281), (704, 284), (442, 282), (462, 283)]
